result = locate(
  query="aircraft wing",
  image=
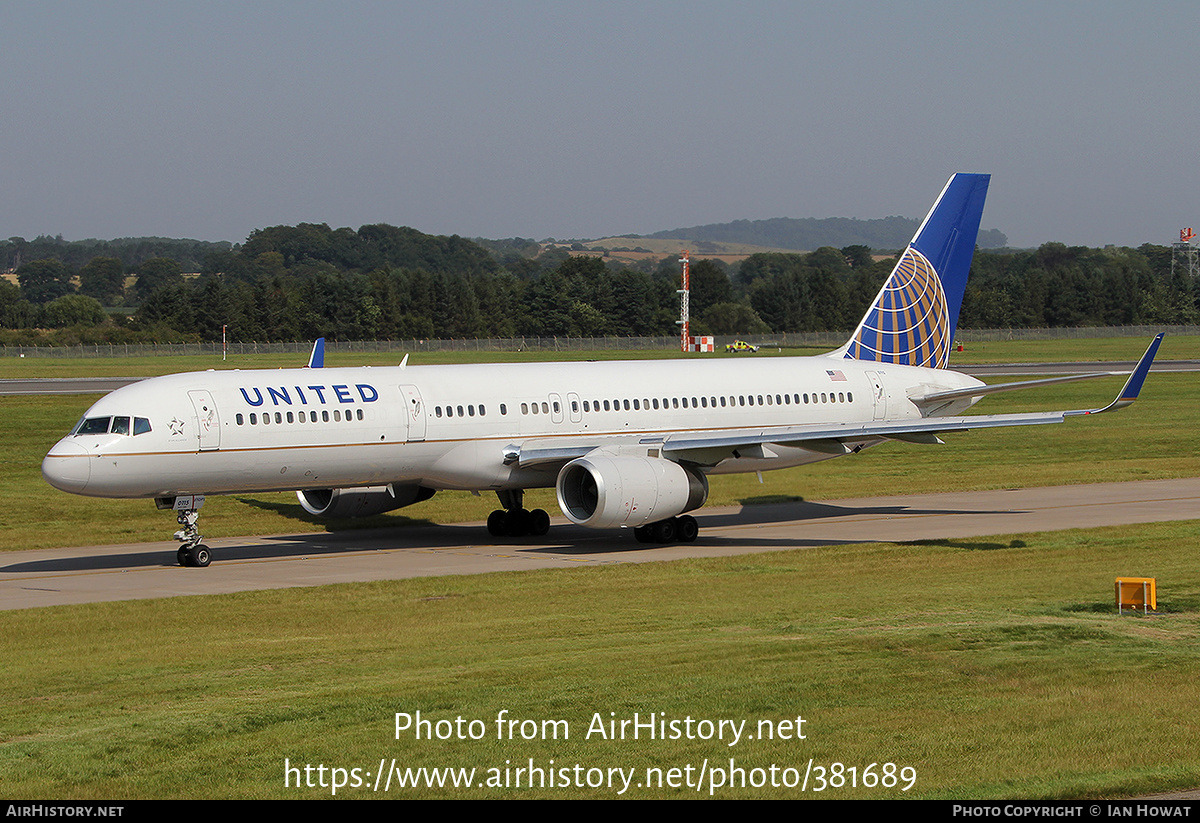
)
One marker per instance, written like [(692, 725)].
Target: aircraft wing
[(707, 448)]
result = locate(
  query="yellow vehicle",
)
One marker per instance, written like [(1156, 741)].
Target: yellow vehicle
[(740, 345)]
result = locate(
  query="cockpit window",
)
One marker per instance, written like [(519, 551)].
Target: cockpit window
[(94, 425), (113, 425)]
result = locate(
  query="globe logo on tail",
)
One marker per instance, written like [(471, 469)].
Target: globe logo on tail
[(909, 323)]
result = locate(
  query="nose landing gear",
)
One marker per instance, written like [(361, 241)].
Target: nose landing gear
[(192, 552)]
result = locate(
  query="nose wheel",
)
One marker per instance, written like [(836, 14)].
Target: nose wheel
[(198, 556), (192, 552)]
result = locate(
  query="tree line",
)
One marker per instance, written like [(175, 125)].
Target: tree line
[(384, 282)]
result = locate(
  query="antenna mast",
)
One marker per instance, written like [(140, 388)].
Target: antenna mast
[(684, 337)]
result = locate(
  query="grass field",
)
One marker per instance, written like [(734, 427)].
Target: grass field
[(992, 667), (1010, 351)]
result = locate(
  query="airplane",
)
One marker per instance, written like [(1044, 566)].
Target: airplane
[(626, 445)]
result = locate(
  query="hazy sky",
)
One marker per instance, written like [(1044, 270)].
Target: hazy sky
[(584, 119)]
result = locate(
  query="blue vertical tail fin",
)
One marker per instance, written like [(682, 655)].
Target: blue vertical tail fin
[(913, 318)]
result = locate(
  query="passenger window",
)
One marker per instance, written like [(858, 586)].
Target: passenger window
[(504, 408), (240, 420)]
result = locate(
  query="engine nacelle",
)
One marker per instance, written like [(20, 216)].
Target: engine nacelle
[(340, 503), (605, 492)]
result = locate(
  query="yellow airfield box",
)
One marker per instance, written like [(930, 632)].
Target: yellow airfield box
[(1136, 593)]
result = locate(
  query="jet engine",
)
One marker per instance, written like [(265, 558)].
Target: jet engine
[(604, 492), (364, 502)]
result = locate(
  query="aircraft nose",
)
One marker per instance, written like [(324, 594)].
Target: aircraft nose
[(67, 466)]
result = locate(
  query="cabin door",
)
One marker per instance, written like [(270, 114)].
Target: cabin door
[(414, 412), (208, 425)]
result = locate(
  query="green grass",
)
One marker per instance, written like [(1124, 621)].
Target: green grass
[(1019, 351), (994, 667), (1174, 347)]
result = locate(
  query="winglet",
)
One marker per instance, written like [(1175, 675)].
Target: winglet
[(1133, 386), (317, 359)]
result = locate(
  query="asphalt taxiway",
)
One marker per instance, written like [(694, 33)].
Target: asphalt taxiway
[(49, 577)]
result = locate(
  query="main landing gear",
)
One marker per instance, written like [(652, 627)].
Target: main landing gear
[(515, 521), (684, 528)]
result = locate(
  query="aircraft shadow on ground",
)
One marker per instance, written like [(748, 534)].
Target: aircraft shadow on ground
[(569, 540)]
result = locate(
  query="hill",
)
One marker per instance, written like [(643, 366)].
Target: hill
[(807, 234)]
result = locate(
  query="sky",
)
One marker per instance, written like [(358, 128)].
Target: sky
[(578, 120)]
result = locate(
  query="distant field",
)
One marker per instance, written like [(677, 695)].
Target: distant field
[(1020, 351)]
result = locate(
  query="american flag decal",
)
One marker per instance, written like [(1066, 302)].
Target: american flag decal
[(836, 375)]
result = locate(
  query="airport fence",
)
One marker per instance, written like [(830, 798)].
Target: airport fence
[(564, 344)]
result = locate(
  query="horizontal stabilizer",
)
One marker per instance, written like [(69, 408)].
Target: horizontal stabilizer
[(980, 391)]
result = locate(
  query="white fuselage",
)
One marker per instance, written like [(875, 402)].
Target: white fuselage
[(457, 427)]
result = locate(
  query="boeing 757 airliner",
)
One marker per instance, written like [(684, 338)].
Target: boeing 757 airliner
[(625, 444)]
